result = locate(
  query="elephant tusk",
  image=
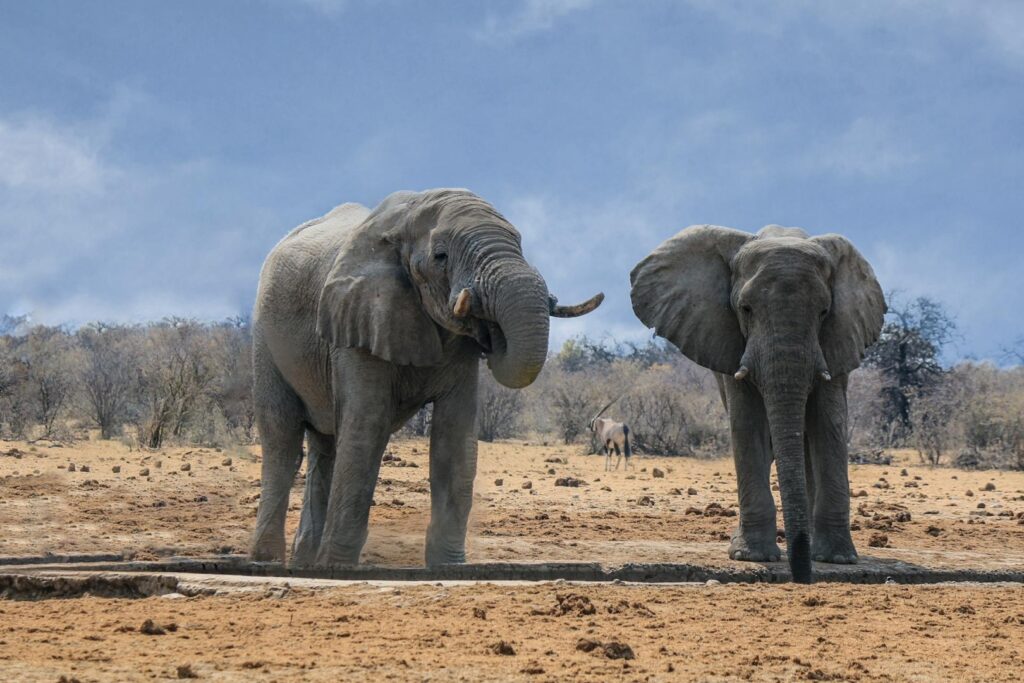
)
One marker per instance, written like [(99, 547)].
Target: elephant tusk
[(742, 373), (825, 376), (577, 310), (462, 304)]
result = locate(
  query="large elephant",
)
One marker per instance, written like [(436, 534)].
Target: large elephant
[(361, 318), (782, 318)]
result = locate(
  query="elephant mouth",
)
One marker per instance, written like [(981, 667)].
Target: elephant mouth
[(488, 336)]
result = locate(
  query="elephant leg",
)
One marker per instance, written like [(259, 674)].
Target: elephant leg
[(365, 413), (826, 435), (754, 538), (319, 469), (279, 416), (453, 457)]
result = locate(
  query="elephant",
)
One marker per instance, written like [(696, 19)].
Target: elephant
[(361, 318), (782, 318)]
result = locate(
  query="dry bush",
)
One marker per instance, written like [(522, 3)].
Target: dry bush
[(498, 409), (675, 409), (108, 374)]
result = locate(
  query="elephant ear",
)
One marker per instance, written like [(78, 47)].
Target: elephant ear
[(858, 306), (369, 302), (683, 289)]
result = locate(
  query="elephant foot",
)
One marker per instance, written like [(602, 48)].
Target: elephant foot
[(438, 555), (267, 552), (754, 546), (833, 546), (303, 555)]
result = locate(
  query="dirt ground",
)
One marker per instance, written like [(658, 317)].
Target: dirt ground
[(201, 501)]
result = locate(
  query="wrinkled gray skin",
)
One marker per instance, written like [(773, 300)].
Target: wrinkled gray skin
[(363, 317), (783, 318)]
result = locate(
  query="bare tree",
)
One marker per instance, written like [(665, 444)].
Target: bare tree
[(231, 346), (498, 409), (49, 357), (907, 354), (108, 374), (176, 375)]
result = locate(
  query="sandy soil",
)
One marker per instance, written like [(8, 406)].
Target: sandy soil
[(427, 632), (541, 632), (935, 517)]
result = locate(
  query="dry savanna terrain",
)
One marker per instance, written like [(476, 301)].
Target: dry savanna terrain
[(97, 497)]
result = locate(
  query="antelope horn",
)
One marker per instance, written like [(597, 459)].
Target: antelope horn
[(601, 412), (577, 310), (463, 304)]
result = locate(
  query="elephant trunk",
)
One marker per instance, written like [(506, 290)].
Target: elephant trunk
[(785, 386), (515, 297)]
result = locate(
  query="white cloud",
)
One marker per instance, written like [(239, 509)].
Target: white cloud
[(87, 235), (532, 17), (868, 148), (994, 25), (36, 155)]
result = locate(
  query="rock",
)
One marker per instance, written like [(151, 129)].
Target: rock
[(150, 628), (657, 474), (499, 482), (83, 468), (989, 487), (570, 481), (200, 499), (480, 613), (859, 494), (116, 469), (144, 472), (71, 467), (904, 473), (186, 467), (617, 650), (645, 501), (573, 603), (969, 493), (226, 462), (712, 582), (159, 464), (933, 531), (186, 671), (587, 644), (691, 491), (551, 470), (502, 647), (879, 541), (981, 506), (527, 484)]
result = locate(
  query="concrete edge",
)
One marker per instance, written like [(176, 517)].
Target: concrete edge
[(872, 572)]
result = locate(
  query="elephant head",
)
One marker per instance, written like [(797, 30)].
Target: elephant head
[(423, 265), (781, 310)]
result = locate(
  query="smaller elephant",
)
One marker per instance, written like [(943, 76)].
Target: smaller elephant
[(612, 435), (782, 318)]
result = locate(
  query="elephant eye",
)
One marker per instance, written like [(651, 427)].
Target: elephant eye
[(746, 309), (823, 313), (440, 257)]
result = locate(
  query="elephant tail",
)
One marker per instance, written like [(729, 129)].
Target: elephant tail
[(625, 437)]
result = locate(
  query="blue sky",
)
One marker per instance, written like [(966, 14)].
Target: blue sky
[(151, 153)]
